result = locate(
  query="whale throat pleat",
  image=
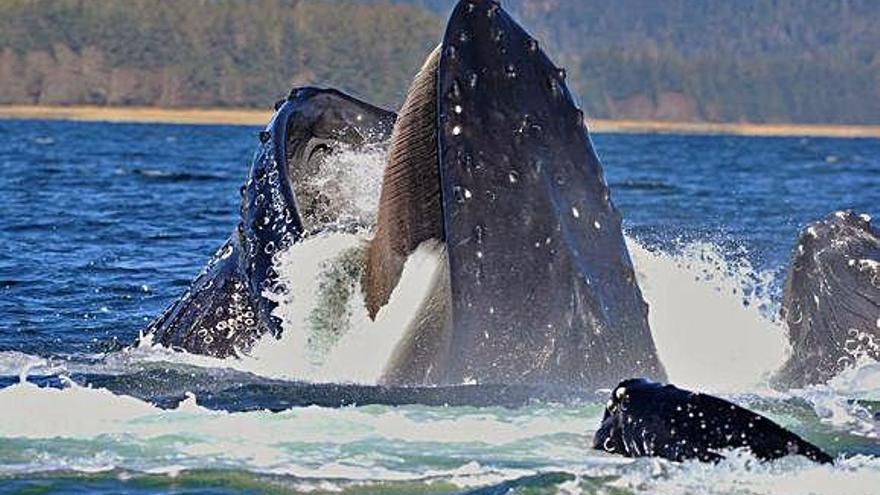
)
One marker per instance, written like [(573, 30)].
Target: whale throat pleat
[(410, 203)]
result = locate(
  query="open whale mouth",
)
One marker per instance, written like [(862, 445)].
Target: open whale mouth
[(323, 132)]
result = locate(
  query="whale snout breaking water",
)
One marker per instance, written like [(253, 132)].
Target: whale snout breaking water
[(831, 302)]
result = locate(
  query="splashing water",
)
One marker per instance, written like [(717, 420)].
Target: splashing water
[(348, 182), (709, 317), (711, 314), (344, 345)]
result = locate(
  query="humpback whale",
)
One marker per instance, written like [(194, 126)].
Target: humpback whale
[(831, 299), (491, 157), (646, 419), (225, 311), (488, 158)]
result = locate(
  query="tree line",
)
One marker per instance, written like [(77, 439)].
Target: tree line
[(715, 60)]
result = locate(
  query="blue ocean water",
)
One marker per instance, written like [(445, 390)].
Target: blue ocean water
[(103, 225)]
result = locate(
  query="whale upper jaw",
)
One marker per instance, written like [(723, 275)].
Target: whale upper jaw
[(831, 299), (541, 288)]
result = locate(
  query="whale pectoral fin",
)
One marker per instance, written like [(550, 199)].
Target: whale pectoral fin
[(542, 286), (409, 205), (215, 317)]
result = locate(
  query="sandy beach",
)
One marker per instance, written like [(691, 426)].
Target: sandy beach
[(244, 116)]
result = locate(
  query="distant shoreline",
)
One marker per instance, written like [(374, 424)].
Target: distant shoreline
[(242, 116)]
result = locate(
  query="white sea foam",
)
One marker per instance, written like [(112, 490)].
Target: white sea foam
[(90, 430), (744, 474), (308, 442)]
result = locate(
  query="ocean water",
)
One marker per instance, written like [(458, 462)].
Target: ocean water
[(103, 225)]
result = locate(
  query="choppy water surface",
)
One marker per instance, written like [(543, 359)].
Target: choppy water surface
[(104, 225)]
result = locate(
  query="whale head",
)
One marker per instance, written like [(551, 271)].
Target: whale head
[(831, 298)]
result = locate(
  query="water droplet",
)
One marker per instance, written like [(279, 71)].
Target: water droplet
[(493, 9), (560, 73), (478, 234), (511, 71), (456, 130), (359, 117), (467, 194), (458, 109), (597, 225), (451, 52), (479, 255), (513, 177), (472, 80), (533, 45), (463, 36), (455, 91), (554, 86), (574, 212)]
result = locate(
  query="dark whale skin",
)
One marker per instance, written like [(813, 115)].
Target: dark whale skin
[(647, 419), (542, 285), (831, 299), (225, 311)]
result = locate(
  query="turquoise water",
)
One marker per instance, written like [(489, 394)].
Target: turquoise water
[(103, 225)]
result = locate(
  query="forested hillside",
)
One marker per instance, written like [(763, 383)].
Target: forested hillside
[(718, 60), (206, 52)]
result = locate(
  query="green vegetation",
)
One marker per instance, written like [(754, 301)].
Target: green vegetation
[(802, 61), (206, 52)]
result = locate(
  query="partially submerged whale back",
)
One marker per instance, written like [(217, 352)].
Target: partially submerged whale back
[(831, 300), (224, 312), (646, 419)]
